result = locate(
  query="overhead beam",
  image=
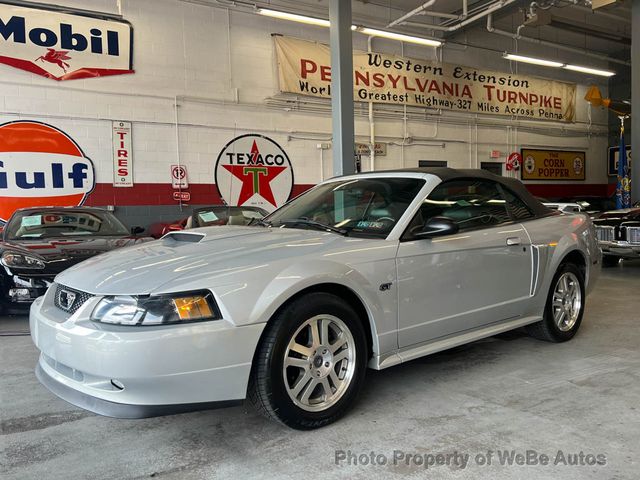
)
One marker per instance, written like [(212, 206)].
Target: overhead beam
[(342, 118)]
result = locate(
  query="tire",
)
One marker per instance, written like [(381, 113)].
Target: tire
[(610, 260), (279, 392), (552, 328)]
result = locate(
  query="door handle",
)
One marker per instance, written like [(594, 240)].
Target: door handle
[(511, 241)]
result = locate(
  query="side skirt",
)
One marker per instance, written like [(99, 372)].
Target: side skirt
[(438, 345)]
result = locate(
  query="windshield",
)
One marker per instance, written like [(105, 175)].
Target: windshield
[(205, 217), (368, 207), (53, 223)]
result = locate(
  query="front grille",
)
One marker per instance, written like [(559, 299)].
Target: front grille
[(69, 299), (633, 235), (605, 234)]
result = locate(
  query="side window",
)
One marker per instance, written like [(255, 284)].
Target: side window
[(518, 209), (472, 204)]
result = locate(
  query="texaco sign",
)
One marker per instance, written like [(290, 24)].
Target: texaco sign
[(253, 170)]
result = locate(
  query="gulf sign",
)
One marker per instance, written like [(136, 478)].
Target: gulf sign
[(64, 46), (41, 165)]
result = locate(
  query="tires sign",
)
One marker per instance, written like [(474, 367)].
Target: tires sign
[(253, 170), (122, 156), (64, 46), (41, 165)]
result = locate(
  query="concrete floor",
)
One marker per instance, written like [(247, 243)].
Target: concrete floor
[(506, 393)]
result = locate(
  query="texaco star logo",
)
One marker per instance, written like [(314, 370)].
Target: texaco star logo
[(253, 170)]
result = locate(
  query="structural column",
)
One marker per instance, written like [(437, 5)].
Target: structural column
[(635, 101), (342, 87)]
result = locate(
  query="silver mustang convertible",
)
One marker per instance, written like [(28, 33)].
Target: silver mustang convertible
[(363, 271)]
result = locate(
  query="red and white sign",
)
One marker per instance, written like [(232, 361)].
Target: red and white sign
[(514, 161), (64, 46), (495, 154), (253, 170), (182, 196), (41, 165), (122, 157), (179, 178)]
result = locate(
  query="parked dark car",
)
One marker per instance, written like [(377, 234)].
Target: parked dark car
[(215, 215), (618, 234), (39, 243)]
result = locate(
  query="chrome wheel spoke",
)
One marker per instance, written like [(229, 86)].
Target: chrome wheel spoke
[(315, 334), (341, 355), (301, 349), (328, 392), (333, 376), (300, 384), (296, 362), (309, 390), (324, 332), (337, 345)]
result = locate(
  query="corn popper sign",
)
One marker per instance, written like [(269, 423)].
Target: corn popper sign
[(304, 68)]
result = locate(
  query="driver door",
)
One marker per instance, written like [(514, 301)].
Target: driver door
[(478, 276)]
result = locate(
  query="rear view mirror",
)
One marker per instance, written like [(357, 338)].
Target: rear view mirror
[(437, 227), (136, 230)]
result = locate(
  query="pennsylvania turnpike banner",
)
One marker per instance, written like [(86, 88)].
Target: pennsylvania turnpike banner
[(304, 68)]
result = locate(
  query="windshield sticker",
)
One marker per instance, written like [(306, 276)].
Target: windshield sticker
[(365, 224), (208, 216), (31, 221)]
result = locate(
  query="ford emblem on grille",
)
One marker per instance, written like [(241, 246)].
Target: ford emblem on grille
[(66, 299)]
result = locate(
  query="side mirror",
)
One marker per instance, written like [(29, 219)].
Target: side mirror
[(437, 227), (136, 230)]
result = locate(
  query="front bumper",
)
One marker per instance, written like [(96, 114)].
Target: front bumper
[(620, 249), (24, 289), (133, 372)]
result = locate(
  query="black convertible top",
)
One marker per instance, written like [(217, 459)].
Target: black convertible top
[(516, 186)]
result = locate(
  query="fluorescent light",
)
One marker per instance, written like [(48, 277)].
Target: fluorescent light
[(399, 36), (293, 17), (594, 71), (535, 61), (367, 31)]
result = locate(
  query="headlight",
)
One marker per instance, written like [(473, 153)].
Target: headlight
[(156, 309), (19, 260)]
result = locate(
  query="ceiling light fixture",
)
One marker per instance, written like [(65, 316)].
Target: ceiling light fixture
[(532, 60), (550, 63), (399, 36), (593, 71), (365, 30), (293, 17)]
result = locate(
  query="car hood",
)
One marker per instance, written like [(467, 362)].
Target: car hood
[(60, 253), (216, 254)]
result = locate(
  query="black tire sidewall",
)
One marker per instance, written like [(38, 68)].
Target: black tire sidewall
[(288, 322), (558, 334)]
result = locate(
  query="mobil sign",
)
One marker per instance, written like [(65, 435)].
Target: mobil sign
[(62, 45), (41, 166)]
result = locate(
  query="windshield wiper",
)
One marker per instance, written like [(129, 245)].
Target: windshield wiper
[(259, 221), (313, 223)]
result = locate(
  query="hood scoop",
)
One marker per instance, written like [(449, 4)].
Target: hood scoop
[(186, 237)]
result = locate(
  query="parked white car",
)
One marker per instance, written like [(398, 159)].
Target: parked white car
[(368, 270)]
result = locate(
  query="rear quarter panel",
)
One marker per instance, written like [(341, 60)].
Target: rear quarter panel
[(555, 237)]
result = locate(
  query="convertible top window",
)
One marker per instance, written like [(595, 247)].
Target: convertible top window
[(368, 207)]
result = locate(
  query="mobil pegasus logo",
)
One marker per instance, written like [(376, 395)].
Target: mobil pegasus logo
[(64, 46), (39, 166)]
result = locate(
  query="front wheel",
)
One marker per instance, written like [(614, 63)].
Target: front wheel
[(311, 362), (564, 308)]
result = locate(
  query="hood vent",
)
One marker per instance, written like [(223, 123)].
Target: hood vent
[(189, 237)]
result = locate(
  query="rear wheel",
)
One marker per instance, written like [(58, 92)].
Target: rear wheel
[(311, 363), (564, 308), (610, 260)]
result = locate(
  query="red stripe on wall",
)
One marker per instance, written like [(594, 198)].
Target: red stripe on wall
[(160, 194)]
